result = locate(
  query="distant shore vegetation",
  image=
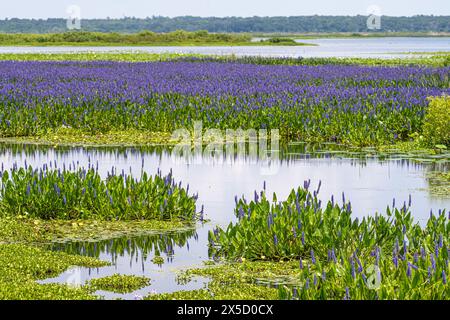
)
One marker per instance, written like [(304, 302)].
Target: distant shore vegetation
[(143, 38), (292, 24)]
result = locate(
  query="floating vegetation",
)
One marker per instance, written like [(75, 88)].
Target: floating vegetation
[(338, 256), (439, 183), (158, 260), (119, 283), (21, 266), (51, 193), (221, 290), (26, 230)]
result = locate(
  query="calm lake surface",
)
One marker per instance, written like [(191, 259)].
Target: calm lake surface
[(389, 47), (369, 182)]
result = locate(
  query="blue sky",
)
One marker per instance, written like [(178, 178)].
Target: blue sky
[(220, 8)]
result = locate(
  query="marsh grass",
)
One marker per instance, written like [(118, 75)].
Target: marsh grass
[(143, 38)]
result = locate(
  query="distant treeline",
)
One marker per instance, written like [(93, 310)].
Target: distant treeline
[(299, 24)]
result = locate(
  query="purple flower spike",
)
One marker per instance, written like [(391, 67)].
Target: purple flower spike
[(408, 271), (241, 213), (353, 268), (318, 188), (395, 260), (347, 294)]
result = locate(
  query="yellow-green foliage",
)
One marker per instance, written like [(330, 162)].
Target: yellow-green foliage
[(436, 127), (120, 283), (22, 265)]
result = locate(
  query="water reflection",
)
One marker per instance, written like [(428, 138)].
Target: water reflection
[(369, 181), (135, 256), (135, 248)]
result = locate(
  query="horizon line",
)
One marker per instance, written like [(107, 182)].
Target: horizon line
[(220, 17)]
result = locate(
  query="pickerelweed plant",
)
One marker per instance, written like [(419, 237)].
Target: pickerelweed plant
[(349, 104), (58, 193), (338, 256)]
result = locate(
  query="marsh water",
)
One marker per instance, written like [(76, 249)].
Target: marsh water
[(385, 47), (371, 182)]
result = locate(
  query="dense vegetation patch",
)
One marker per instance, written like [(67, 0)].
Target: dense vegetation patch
[(21, 266), (50, 193), (436, 128), (378, 257), (431, 59), (96, 56), (351, 104), (142, 38), (120, 283), (296, 24), (221, 291)]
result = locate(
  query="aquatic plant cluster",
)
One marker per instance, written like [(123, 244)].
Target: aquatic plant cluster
[(437, 121), (76, 193), (378, 257), (359, 105), (120, 283), (21, 265)]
